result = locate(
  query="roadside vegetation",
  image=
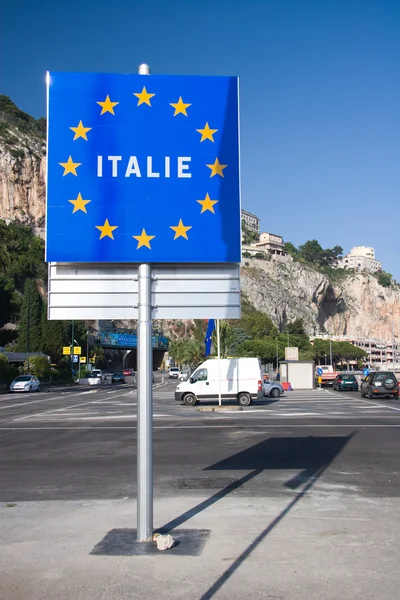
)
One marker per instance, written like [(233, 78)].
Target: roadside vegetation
[(256, 335)]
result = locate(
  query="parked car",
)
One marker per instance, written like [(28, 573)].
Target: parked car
[(380, 383), (174, 372), (25, 383), (272, 388), (97, 373), (345, 382), (128, 372), (117, 377)]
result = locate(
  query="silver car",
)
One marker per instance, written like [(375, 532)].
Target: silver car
[(25, 383), (273, 389)]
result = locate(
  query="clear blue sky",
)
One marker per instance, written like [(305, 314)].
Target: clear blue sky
[(320, 95)]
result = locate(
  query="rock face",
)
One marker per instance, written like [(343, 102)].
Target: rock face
[(22, 177), (354, 306)]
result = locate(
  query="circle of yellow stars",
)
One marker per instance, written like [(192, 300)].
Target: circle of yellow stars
[(143, 98)]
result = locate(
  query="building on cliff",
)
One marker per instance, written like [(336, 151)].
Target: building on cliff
[(360, 258), (252, 221)]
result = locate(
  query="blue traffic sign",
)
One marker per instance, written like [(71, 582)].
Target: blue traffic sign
[(319, 371), (142, 169), (365, 372)]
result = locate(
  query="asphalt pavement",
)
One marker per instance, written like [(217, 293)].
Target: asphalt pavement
[(306, 486)]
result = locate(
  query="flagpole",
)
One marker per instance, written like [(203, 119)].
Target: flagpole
[(219, 364)]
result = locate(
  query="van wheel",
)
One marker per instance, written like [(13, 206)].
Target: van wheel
[(190, 400), (275, 393), (244, 399)]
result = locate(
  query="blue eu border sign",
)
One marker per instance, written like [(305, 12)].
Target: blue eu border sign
[(142, 169)]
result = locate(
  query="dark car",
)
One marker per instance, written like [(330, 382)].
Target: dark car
[(117, 378), (381, 383), (345, 382)]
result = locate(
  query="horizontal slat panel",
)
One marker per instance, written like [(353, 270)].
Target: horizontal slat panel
[(84, 299), (196, 299), (195, 286), (67, 314), (90, 286), (196, 312)]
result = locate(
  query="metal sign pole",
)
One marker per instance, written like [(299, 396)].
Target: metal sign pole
[(145, 400)]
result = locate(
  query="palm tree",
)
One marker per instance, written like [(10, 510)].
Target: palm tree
[(176, 350), (193, 352)]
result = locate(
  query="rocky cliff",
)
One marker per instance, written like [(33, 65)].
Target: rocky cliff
[(22, 170), (355, 305)]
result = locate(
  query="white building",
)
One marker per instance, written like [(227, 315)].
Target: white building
[(360, 258), (271, 243), (252, 221)]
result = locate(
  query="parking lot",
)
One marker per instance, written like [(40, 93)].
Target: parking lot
[(117, 405)]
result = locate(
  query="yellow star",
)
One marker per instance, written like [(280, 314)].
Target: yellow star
[(70, 167), (216, 168), (144, 97), (207, 133), (207, 204), (79, 204), (180, 107), (106, 229), (80, 131), (143, 239), (180, 230), (107, 106)]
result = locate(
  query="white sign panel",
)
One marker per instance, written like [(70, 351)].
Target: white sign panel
[(97, 291)]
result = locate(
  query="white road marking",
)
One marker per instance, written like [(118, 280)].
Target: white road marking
[(29, 403), (252, 426), (57, 410), (358, 399)]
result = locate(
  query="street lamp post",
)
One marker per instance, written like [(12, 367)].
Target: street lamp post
[(277, 354), (330, 350)]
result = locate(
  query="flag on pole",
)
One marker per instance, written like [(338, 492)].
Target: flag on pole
[(208, 338)]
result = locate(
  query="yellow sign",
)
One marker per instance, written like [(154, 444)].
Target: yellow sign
[(92, 360), (66, 350), (83, 359), (77, 350)]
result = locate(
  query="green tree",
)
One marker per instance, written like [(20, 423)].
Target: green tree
[(312, 252), (7, 372), (384, 279), (97, 352), (346, 352), (226, 338), (296, 327), (55, 335), (176, 350), (39, 366), (264, 349), (6, 299), (248, 235), (30, 326), (194, 352), (4, 240), (258, 325), (322, 349), (291, 249)]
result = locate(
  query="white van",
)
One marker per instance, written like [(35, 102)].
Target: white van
[(238, 378)]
